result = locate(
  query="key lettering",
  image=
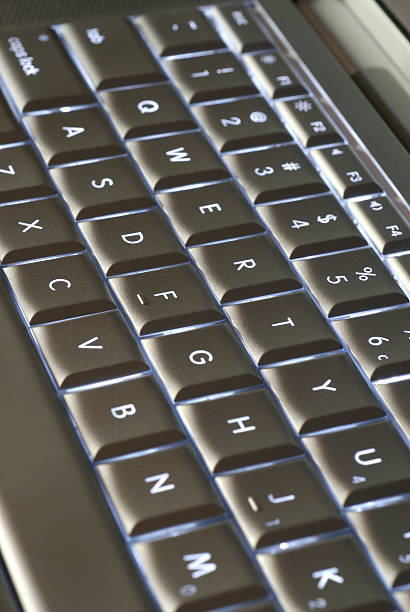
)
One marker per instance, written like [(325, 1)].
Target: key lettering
[(29, 226), (10, 170), (121, 412), (244, 263), (323, 576), (367, 451), (200, 357), (104, 182), (89, 344), (148, 106), (72, 131), (240, 422), (165, 294), (178, 155), (324, 386), (159, 486), (287, 321), (209, 208), (59, 280), (199, 564), (133, 238), (281, 500)]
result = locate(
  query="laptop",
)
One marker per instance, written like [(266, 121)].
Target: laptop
[(204, 306)]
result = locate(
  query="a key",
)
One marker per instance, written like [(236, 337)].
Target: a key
[(239, 430), (211, 77), (279, 503), (380, 342), (282, 328), (212, 213), (37, 229), (309, 123), (57, 289), (275, 174), (386, 533), (396, 395), (245, 268), (38, 72), (10, 130), (102, 188), (159, 490), (242, 124), (350, 282), (147, 111), (166, 299), (322, 393), (22, 175), (133, 242), (90, 349), (176, 32), (74, 136), (389, 231), (241, 27), (201, 362), (333, 575), (345, 172), (401, 269), (123, 418), (275, 76), (311, 227), (364, 463), (112, 52), (207, 568)]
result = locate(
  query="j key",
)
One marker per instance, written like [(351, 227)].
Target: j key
[(180, 570), (383, 223), (102, 188), (133, 242), (179, 32), (38, 72), (322, 393), (241, 27), (159, 490), (276, 174), (332, 574), (211, 77), (241, 269), (123, 418), (60, 288), (396, 395), (69, 137), (282, 328), (166, 299), (345, 172), (310, 125), (401, 269), (363, 463), (201, 362), (386, 532), (210, 213), (380, 342), (90, 350), (37, 229), (239, 430), (242, 124), (311, 227), (10, 131), (281, 502), (22, 176), (112, 52), (350, 282), (275, 76), (180, 160)]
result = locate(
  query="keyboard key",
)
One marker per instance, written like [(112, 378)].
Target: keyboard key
[(211, 77), (102, 188), (147, 496), (241, 28), (403, 597), (60, 288), (329, 392), (364, 463), (241, 269), (112, 52), (90, 350), (275, 174), (241, 124), (166, 299), (380, 342), (146, 111), (239, 430), (396, 395), (180, 160), (123, 418), (133, 242), (345, 172), (180, 571), (70, 137), (37, 229), (280, 502), (22, 176), (333, 574), (401, 269), (201, 362), (38, 72), (275, 76), (309, 123), (10, 130), (282, 328), (311, 227)]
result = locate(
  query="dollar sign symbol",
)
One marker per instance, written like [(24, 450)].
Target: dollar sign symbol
[(326, 219)]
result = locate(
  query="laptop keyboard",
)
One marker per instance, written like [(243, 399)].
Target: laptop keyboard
[(198, 250)]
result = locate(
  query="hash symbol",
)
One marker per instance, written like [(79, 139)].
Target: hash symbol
[(291, 166), (303, 106)]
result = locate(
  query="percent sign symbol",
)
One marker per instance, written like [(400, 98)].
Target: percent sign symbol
[(365, 274)]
